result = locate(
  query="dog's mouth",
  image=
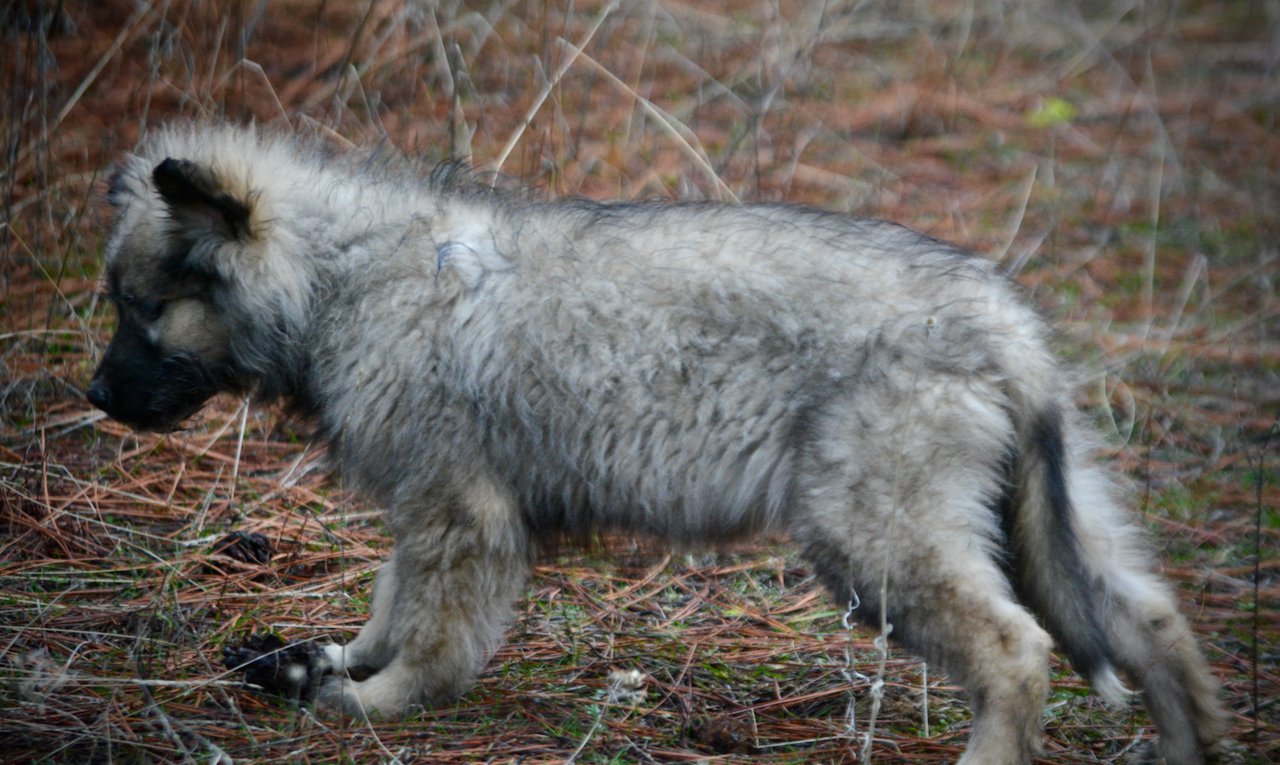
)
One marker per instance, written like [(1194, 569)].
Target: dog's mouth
[(157, 398), (159, 423)]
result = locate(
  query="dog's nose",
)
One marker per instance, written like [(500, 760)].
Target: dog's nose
[(99, 395)]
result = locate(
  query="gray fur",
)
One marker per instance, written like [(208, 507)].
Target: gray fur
[(498, 373)]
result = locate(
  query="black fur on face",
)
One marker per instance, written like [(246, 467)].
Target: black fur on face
[(148, 388)]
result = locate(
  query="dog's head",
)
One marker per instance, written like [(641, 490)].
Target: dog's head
[(178, 228)]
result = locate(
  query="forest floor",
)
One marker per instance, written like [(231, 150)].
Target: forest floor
[(1121, 160)]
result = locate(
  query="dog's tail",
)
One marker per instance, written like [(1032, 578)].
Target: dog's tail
[(1053, 571)]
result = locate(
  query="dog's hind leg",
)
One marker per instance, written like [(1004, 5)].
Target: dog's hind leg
[(897, 502), (946, 599), (458, 568)]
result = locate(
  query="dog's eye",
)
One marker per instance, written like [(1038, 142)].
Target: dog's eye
[(147, 309)]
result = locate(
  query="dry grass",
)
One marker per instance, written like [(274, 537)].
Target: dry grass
[(1123, 161)]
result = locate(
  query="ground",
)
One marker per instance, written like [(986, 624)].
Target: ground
[(1120, 159)]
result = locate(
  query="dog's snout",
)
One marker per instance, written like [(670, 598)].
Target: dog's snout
[(99, 395)]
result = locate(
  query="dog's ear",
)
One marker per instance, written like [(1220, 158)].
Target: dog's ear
[(197, 198)]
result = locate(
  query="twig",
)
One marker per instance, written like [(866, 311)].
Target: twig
[(682, 135), (554, 80)]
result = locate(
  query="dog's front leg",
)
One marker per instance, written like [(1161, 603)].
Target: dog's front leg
[(440, 605), (373, 648)]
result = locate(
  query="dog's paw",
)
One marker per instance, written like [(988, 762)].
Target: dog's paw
[(336, 694), (291, 670), (385, 695)]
